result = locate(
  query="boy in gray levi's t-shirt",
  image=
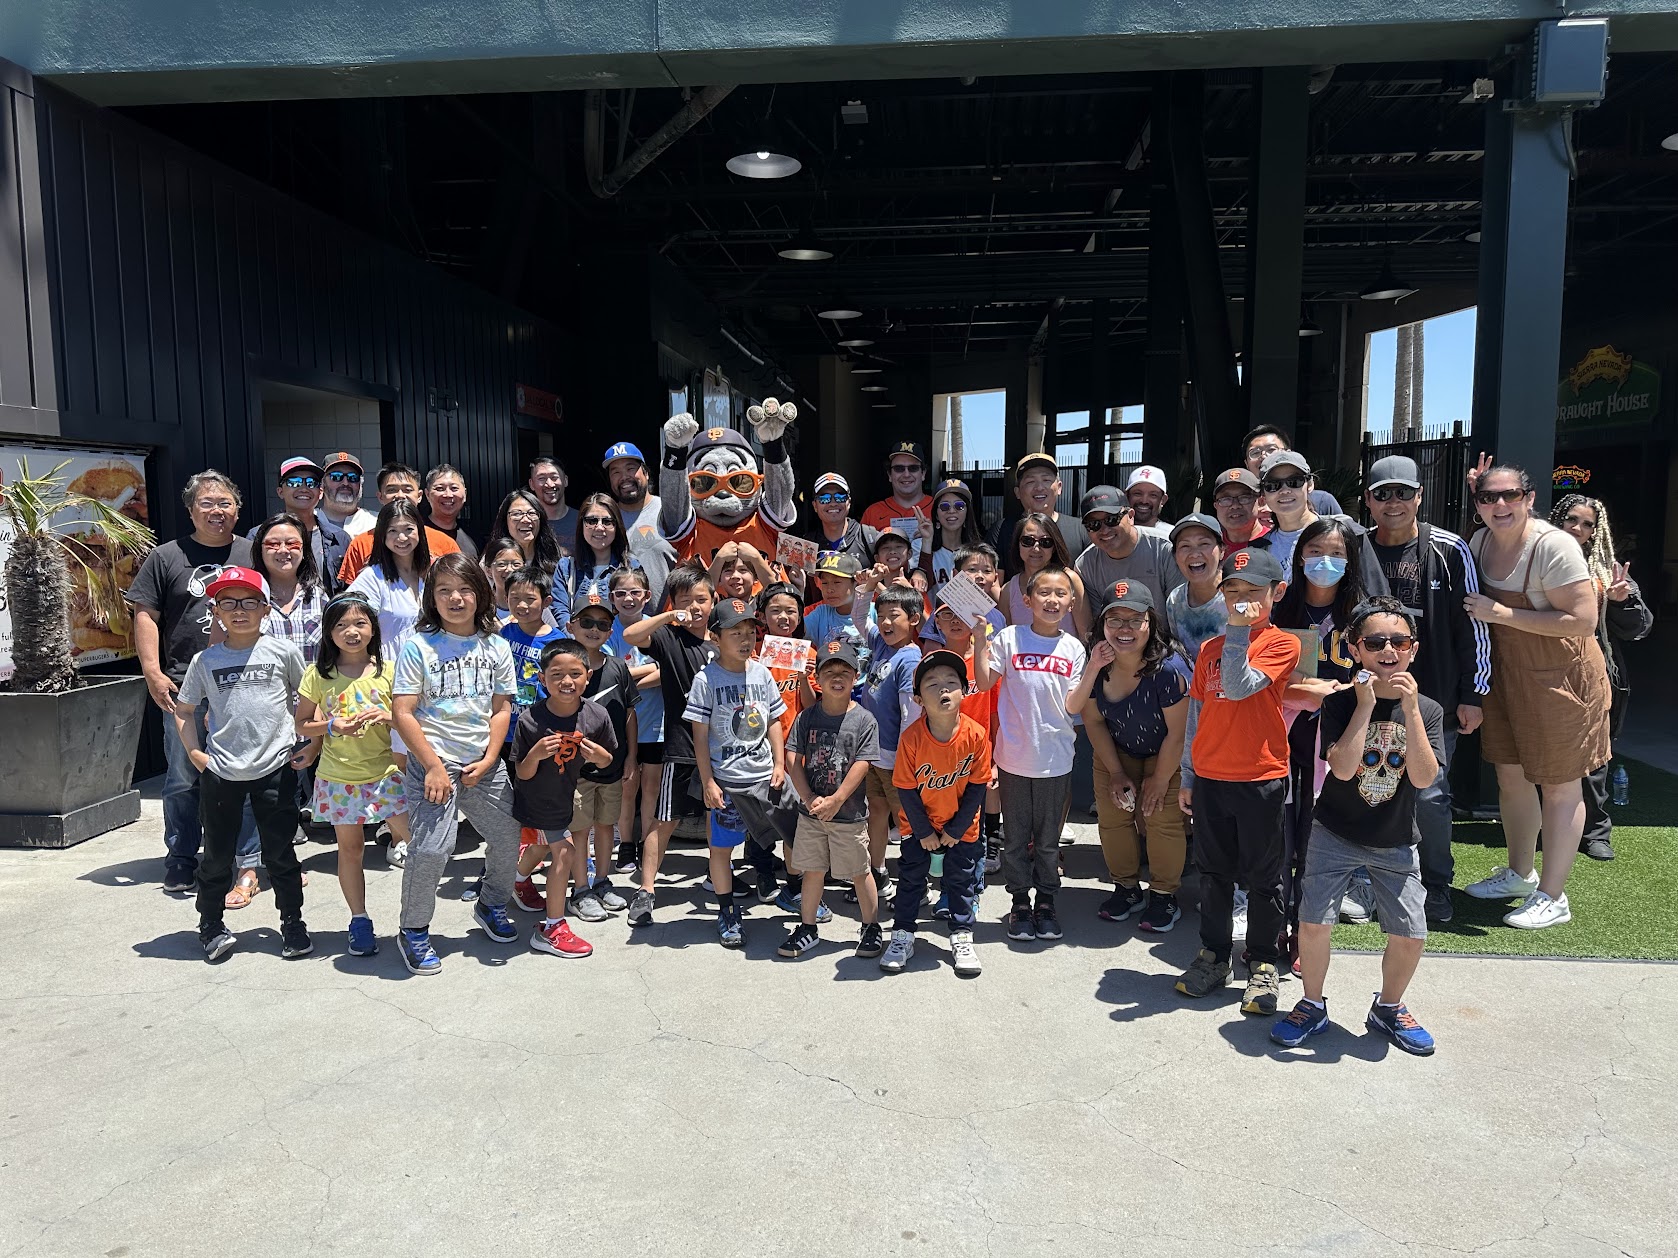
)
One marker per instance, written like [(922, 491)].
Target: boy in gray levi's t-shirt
[(249, 692)]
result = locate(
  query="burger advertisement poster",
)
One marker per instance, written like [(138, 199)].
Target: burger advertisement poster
[(117, 477)]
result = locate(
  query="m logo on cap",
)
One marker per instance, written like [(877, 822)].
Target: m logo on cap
[(1121, 588), (1241, 560), (715, 434)]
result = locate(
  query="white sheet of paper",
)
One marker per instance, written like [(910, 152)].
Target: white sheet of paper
[(789, 653), (796, 551), (969, 602)]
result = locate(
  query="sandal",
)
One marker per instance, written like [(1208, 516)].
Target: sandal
[(244, 890)]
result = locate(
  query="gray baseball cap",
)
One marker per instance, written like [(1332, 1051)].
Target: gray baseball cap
[(1395, 469)]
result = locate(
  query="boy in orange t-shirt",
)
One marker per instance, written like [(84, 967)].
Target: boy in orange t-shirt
[(942, 770), (1235, 768)]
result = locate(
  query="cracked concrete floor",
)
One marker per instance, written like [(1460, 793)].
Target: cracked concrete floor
[(666, 1096)]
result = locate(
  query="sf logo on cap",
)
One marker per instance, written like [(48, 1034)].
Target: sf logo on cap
[(715, 434), (834, 645), (1241, 560), (738, 605), (1121, 588)]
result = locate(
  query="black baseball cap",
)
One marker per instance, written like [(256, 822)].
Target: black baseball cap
[(933, 659), (1103, 498), (1254, 564), (731, 612), (909, 448), (839, 650), (1127, 593)]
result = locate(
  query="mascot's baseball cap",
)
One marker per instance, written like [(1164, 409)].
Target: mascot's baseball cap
[(236, 579), (839, 650), (622, 450), (710, 438), (909, 448), (838, 564), (731, 612), (1133, 595), (831, 478), (937, 659), (299, 464), (1258, 566)]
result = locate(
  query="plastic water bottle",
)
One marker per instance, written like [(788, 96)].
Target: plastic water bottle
[(1620, 784), (937, 870)]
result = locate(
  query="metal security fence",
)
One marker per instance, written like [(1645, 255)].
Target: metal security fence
[(1442, 464)]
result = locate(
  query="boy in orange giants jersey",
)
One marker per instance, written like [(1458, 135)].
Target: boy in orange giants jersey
[(942, 770)]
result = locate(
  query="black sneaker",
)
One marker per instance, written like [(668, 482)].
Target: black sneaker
[(1161, 914), (801, 940), (1044, 920), (872, 941), (641, 909), (768, 887), (1599, 849), (217, 942), (294, 939), (1439, 909), (1122, 903), (1021, 925)]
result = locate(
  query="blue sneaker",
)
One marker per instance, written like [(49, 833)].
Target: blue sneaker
[(362, 941), (788, 900), (1400, 1026), (497, 925), (941, 910), (728, 930), (417, 953), (1305, 1021)]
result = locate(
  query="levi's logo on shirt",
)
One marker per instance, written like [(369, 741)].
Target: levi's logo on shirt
[(242, 675), (931, 780), (1027, 662)]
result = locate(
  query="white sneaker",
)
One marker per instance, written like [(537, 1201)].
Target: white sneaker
[(1358, 904), (397, 854), (1503, 884), (1239, 929), (898, 951), (961, 950), (1538, 911)]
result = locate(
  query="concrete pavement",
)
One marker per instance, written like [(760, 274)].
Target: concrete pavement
[(666, 1096)]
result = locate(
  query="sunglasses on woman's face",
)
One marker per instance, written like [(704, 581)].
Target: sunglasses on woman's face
[(1038, 543), (828, 497), (952, 504), (1283, 482), (598, 521), (1386, 493), (741, 484), (1486, 497), (1378, 641)]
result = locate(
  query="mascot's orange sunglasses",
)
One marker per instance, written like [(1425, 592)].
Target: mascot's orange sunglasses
[(741, 484)]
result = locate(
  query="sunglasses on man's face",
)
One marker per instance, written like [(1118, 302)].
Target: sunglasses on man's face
[(1386, 493), (901, 469), (741, 484), (345, 478), (1486, 497), (1100, 521), (1037, 543), (1378, 641), (301, 482), (829, 497), (1283, 482)]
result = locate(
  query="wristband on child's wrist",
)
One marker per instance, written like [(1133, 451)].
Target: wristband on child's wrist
[(330, 732)]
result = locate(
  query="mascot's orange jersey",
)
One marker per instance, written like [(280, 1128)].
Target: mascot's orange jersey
[(704, 539)]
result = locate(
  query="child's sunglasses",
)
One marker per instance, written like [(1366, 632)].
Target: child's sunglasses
[(1378, 641), (741, 484)]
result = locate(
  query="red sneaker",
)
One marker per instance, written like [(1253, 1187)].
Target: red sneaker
[(527, 897), (559, 940)]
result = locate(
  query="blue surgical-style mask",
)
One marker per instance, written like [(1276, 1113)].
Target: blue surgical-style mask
[(1324, 570)]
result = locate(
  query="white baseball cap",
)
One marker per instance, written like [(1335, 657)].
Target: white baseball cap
[(1147, 474)]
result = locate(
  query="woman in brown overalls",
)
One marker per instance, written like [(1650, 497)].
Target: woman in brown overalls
[(1546, 718)]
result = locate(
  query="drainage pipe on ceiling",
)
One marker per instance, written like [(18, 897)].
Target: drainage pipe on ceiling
[(611, 183)]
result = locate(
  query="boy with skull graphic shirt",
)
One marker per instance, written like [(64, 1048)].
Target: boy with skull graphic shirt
[(1384, 742)]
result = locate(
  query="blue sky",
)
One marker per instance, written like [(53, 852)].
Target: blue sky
[(1447, 392)]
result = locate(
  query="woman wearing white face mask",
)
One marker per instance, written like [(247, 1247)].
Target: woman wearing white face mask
[(1325, 583)]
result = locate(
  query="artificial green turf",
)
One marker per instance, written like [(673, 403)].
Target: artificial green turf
[(1621, 908)]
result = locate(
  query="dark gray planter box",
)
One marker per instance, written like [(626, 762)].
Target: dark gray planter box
[(66, 762)]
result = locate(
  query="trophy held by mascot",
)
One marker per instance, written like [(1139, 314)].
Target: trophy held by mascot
[(713, 489)]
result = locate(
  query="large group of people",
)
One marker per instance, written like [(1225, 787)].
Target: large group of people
[(1271, 694)]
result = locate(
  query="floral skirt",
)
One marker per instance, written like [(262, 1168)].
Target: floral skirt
[(348, 804)]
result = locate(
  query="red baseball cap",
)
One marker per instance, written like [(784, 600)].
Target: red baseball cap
[(234, 578)]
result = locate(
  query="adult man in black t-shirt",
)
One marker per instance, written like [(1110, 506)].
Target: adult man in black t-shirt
[(172, 624), (1430, 572), (1037, 487), (1385, 740)]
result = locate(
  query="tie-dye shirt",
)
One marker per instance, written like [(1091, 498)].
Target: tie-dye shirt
[(456, 680)]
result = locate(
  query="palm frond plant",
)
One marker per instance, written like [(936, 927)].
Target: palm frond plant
[(57, 533)]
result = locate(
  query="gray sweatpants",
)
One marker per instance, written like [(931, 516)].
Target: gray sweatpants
[(436, 827), (1033, 811)]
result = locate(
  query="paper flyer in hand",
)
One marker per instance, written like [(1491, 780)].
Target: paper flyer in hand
[(968, 601), (792, 654), (795, 552)]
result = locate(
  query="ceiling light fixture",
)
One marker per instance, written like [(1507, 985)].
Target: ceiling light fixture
[(839, 312), (1670, 144), (855, 342), (764, 163), (873, 388), (1473, 237), (804, 247), (884, 406), (866, 371), (1387, 286), (1308, 328)]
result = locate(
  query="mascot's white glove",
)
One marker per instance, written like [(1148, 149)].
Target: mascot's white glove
[(680, 430), (768, 421)]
